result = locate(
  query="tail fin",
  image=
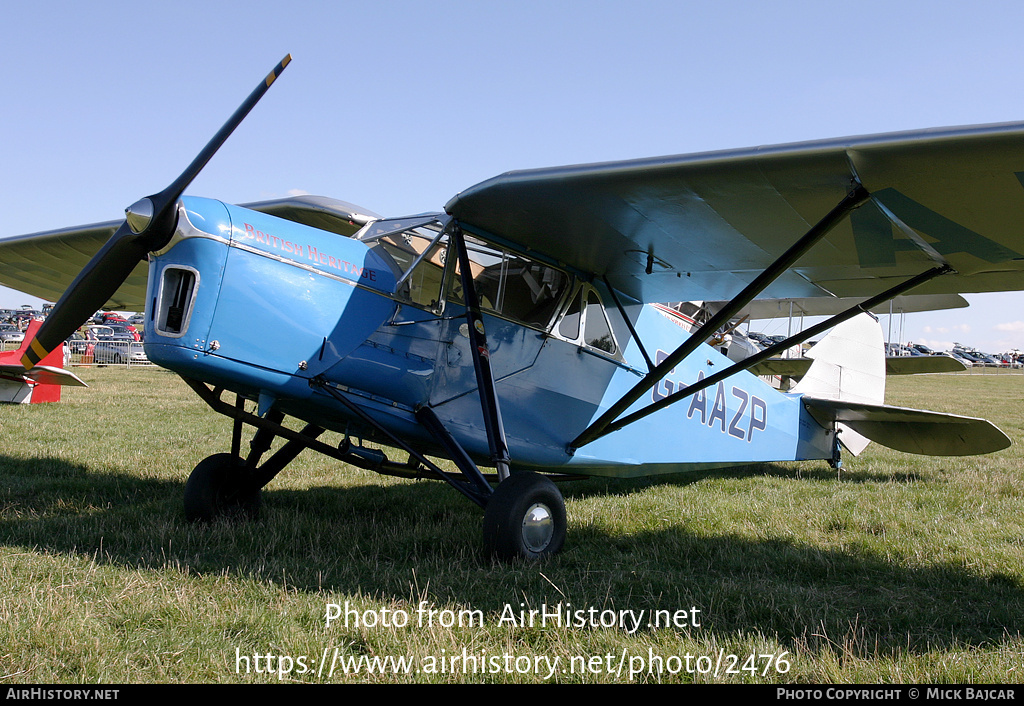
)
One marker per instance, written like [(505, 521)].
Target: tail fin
[(55, 359), (40, 384), (848, 365), (33, 326)]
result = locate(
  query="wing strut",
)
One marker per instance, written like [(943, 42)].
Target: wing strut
[(778, 348), (852, 200), (629, 325), (482, 361)]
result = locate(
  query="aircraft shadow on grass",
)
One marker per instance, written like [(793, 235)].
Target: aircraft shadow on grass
[(799, 593)]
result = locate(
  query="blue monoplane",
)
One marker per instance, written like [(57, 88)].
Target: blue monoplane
[(519, 329)]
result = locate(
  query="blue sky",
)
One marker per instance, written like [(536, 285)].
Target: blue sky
[(397, 106)]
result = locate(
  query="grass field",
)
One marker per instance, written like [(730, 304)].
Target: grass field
[(898, 569)]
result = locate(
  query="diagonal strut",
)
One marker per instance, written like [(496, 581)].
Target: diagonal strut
[(852, 200)]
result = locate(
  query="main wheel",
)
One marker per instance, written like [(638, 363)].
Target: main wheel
[(524, 518), (215, 489)]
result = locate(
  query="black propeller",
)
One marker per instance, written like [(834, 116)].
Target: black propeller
[(148, 226)]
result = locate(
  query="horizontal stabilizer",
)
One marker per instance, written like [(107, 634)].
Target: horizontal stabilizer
[(786, 367), (918, 364), (911, 430), (44, 374), (894, 365)]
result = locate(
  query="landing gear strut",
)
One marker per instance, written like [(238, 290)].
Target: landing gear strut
[(524, 518)]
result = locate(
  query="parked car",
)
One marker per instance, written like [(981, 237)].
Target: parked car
[(124, 331), (10, 332), (119, 352), (991, 361), (979, 358), (108, 317), (956, 354), (106, 333)]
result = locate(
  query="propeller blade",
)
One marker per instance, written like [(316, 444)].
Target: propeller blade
[(91, 289), (164, 202), (149, 225)]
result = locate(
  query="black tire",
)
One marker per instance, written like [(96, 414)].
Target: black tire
[(215, 490), (524, 518)]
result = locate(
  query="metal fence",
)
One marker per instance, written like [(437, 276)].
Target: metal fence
[(96, 353)]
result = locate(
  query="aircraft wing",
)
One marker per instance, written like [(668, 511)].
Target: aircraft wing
[(320, 212), (45, 264), (700, 227), (829, 306)]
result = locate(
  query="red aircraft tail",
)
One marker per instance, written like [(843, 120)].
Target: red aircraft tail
[(12, 372)]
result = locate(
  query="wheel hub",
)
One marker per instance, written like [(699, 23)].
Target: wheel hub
[(538, 527)]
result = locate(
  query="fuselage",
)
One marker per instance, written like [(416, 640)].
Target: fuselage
[(262, 306)]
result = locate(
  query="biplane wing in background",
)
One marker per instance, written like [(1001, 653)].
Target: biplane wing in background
[(513, 330), (797, 365), (44, 264), (732, 342), (829, 306)]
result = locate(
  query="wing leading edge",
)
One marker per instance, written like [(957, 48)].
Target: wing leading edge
[(700, 227)]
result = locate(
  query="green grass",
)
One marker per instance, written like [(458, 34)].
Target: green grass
[(898, 569)]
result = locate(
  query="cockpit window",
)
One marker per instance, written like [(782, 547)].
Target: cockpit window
[(569, 327), (508, 284), (597, 331), (585, 322), (416, 251), (512, 286)]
